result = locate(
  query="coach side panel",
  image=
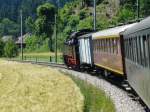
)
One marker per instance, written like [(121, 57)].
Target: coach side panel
[(107, 54)]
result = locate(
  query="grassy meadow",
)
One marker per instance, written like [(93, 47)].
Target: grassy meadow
[(41, 56), (33, 88)]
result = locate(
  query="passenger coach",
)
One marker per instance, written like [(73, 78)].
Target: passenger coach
[(108, 51), (137, 58)]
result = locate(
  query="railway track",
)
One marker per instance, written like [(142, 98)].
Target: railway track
[(118, 82)]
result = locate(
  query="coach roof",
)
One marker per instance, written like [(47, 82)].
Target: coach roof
[(112, 32), (144, 24)]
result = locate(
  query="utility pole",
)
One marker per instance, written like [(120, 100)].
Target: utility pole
[(55, 38), (94, 15), (56, 15), (138, 9), (21, 36)]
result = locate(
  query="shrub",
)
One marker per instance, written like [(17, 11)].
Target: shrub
[(10, 49), (1, 48)]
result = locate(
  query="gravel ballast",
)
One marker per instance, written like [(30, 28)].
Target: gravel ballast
[(123, 103)]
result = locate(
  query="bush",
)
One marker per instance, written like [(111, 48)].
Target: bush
[(10, 49), (125, 14), (1, 48), (86, 23)]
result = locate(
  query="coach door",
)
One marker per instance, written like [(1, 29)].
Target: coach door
[(85, 49)]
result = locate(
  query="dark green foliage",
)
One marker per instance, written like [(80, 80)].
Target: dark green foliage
[(125, 15), (1, 48), (30, 25), (32, 43), (87, 23), (8, 27), (146, 7), (45, 20), (10, 49)]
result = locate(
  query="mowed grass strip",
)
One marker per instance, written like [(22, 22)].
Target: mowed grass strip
[(33, 88), (42, 56), (95, 100)]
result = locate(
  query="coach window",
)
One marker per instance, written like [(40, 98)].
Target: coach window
[(107, 45), (93, 45), (96, 46), (136, 47), (110, 45), (126, 48), (134, 50), (131, 55), (104, 45), (101, 45), (129, 48), (149, 47), (148, 38), (114, 45), (142, 51), (146, 50), (125, 45)]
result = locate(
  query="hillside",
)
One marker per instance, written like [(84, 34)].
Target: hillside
[(10, 13), (10, 8), (78, 15)]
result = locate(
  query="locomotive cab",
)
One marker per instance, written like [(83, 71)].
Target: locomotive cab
[(71, 53)]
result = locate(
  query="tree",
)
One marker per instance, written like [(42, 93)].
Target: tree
[(147, 7), (30, 25), (8, 27), (45, 20), (10, 49)]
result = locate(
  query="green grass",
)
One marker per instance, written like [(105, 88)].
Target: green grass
[(95, 99), (44, 57)]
